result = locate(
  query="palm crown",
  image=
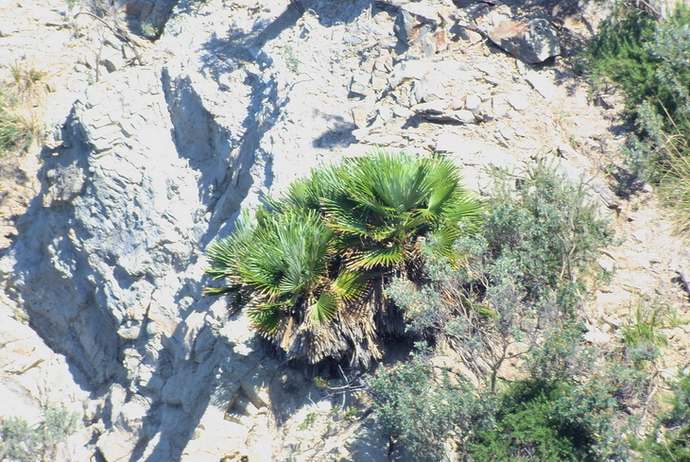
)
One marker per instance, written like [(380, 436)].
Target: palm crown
[(310, 268)]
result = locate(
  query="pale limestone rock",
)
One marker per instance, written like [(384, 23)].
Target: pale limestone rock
[(532, 41)]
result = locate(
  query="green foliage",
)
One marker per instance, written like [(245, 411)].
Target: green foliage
[(556, 419), (641, 334), (522, 273), (310, 267), (670, 440), (421, 407), (649, 60), (559, 355), (545, 420), (308, 421), (23, 443), (548, 231), (150, 31), (291, 59), (618, 53)]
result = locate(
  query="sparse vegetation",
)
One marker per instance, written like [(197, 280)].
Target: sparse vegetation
[(647, 59), (15, 132), (670, 440), (27, 83)]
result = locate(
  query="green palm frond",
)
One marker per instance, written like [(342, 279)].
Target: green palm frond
[(266, 318), (387, 257), (324, 309), (306, 193), (350, 285), (223, 254), (211, 291), (465, 208), (386, 181)]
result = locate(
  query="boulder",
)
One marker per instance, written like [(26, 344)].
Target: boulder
[(532, 41)]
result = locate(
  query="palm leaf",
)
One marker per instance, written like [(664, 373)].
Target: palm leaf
[(350, 285), (386, 257), (266, 318), (324, 309), (211, 291)]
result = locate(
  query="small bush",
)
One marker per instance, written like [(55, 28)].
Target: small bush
[(545, 420), (23, 443), (423, 407)]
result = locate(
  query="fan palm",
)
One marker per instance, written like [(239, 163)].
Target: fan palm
[(282, 270), (311, 269)]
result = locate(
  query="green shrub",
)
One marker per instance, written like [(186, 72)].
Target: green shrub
[(618, 53), (521, 274), (543, 420), (423, 407), (23, 443)]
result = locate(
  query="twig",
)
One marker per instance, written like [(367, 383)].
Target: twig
[(120, 33)]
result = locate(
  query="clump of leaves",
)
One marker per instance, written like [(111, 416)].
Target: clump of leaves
[(642, 335), (422, 406), (537, 419)]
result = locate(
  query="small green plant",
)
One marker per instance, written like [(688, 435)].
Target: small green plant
[(350, 414), (291, 59), (23, 443), (641, 333), (308, 421), (149, 31), (670, 439), (15, 133), (321, 383)]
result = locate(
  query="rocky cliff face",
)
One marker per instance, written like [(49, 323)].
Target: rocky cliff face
[(237, 99)]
